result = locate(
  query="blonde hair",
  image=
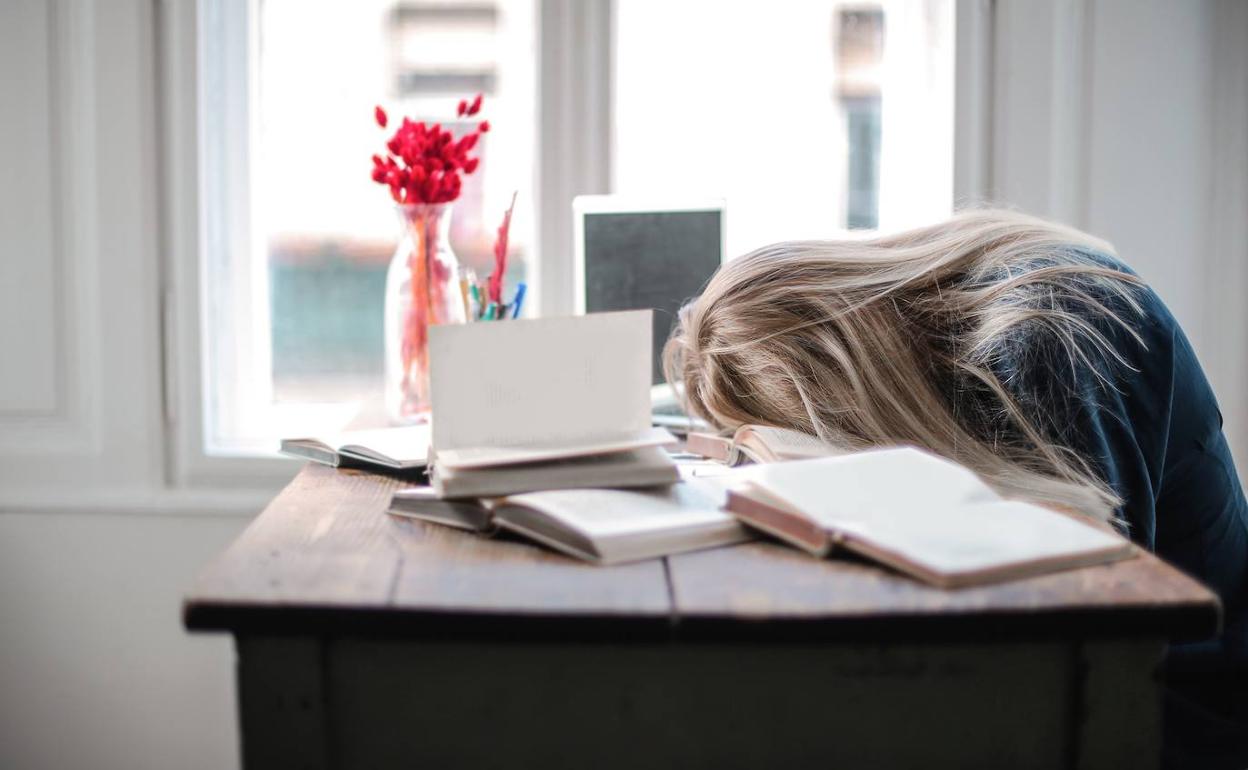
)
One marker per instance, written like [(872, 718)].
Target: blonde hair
[(919, 338)]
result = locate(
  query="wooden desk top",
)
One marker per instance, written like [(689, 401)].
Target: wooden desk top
[(325, 558)]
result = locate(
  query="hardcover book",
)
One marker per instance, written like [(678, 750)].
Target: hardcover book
[(919, 514), (544, 404)]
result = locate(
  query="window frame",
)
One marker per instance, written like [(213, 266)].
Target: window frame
[(575, 43)]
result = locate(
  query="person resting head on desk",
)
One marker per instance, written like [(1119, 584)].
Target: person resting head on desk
[(1022, 349)]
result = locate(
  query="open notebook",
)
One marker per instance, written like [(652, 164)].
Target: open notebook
[(759, 444), (405, 448), (919, 514), (544, 404), (606, 526)]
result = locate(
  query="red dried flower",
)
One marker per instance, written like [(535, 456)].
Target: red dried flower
[(424, 162), (484, 127), (380, 115)]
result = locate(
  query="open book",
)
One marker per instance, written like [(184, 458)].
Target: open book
[(919, 514), (405, 448), (606, 526), (544, 404), (759, 444)]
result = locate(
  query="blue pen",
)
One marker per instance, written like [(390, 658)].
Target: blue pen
[(519, 300)]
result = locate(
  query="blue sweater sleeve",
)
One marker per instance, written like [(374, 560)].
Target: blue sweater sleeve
[(1151, 427)]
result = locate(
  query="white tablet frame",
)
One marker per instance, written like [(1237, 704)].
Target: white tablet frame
[(624, 204)]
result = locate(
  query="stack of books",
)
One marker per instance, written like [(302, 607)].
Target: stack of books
[(542, 428)]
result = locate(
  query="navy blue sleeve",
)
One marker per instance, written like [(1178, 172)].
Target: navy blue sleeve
[(1151, 428)]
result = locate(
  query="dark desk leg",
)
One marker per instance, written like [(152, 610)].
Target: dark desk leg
[(281, 703), (1120, 713)]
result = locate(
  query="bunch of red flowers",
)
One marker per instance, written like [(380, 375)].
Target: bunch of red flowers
[(425, 163)]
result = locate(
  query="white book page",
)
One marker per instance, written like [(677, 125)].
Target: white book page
[(540, 382), (489, 457), (780, 444), (405, 444), (901, 483), (603, 514), (927, 510), (985, 536)]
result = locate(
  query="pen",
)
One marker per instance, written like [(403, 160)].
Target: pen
[(489, 311), (519, 300), (476, 301), (463, 293)]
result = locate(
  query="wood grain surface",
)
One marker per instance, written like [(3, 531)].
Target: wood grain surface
[(774, 586), (324, 553), (324, 556)]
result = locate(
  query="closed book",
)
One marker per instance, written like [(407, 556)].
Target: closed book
[(650, 466), (564, 403), (424, 503)]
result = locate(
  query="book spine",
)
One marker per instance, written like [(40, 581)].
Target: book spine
[(792, 528)]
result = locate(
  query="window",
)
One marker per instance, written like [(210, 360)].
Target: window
[(809, 118), (812, 119), (298, 235)]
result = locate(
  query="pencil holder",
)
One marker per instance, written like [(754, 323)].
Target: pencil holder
[(422, 290)]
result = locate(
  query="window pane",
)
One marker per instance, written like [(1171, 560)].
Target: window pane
[(810, 118), (325, 230)]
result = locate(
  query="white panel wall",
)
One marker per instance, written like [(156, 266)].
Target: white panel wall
[(81, 394), (95, 669), (1148, 154), (28, 285), (1129, 119)]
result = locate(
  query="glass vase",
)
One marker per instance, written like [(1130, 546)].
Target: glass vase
[(422, 290)]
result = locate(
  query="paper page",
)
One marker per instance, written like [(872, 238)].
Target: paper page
[(487, 457), (984, 536), (408, 444), (540, 382), (903, 483), (601, 514), (648, 466), (927, 510), (783, 444)]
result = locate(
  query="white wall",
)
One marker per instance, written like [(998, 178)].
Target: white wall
[(1129, 119), (95, 669), (1124, 117), (96, 546)]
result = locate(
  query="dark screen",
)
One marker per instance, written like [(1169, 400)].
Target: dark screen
[(652, 260)]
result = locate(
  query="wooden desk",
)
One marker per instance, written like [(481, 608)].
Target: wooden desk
[(370, 641)]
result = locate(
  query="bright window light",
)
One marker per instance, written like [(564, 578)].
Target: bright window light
[(809, 118), (294, 282)]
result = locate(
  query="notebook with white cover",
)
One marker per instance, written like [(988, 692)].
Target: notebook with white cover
[(918, 513), (525, 405), (404, 448)]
